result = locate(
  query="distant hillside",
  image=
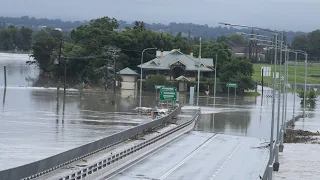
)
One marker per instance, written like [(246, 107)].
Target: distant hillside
[(187, 29)]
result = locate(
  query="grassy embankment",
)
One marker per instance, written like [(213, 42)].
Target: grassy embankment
[(312, 78), (313, 72)]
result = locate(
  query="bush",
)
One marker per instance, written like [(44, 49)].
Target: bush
[(311, 98), (153, 80)]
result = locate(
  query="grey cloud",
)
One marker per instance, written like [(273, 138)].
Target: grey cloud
[(275, 14)]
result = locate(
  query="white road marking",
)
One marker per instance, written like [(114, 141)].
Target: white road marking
[(226, 161), (136, 162), (187, 158)]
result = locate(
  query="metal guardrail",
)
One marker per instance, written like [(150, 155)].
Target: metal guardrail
[(41, 167), (117, 159)]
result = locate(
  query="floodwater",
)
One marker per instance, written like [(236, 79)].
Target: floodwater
[(249, 116), (36, 124)]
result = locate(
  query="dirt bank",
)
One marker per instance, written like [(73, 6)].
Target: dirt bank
[(300, 136)]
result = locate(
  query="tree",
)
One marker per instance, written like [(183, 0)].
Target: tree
[(301, 42), (182, 43), (314, 40), (237, 39), (26, 35), (209, 49), (239, 70), (13, 38), (44, 45)]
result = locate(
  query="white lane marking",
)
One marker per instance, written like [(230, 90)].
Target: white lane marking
[(136, 162), (187, 158), (226, 161)]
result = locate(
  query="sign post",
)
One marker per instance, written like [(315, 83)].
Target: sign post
[(157, 87), (232, 85), (168, 94), (191, 98)]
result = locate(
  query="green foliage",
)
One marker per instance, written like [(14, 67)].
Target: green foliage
[(13, 38), (45, 43), (196, 30), (89, 53), (155, 80), (237, 39), (209, 50), (308, 42), (311, 98), (238, 70)]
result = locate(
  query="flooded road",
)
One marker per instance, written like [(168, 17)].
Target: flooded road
[(249, 116), (35, 126)]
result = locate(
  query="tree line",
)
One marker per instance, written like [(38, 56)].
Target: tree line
[(189, 30), (15, 39), (310, 43), (90, 51)]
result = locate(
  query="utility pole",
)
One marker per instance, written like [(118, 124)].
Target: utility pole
[(114, 72), (114, 57), (198, 87)]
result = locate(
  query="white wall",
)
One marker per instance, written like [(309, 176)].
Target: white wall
[(128, 82), (128, 78), (128, 85)]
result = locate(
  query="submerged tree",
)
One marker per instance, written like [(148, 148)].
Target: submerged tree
[(311, 98)]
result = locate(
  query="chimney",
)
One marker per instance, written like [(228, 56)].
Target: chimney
[(191, 53)]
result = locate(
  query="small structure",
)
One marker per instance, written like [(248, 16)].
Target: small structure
[(174, 64), (183, 83), (129, 79)]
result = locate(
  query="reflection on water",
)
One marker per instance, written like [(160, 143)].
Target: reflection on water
[(35, 124), (18, 73), (248, 116)]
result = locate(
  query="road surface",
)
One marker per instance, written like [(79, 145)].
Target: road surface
[(198, 155)]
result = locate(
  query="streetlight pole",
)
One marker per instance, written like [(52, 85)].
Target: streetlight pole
[(271, 157), (286, 101), (305, 78), (215, 75), (305, 84), (141, 73), (270, 168), (283, 121), (295, 87), (276, 164), (198, 87)]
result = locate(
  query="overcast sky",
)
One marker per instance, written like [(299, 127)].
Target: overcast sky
[(294, 15)]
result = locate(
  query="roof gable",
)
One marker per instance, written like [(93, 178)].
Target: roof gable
[(175, 56), (127, 71)]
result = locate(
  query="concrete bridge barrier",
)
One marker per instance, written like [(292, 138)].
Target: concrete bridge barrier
[(44, 166)]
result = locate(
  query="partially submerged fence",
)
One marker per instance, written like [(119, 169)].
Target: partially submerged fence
[(38, 168)]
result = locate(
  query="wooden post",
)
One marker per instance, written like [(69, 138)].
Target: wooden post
[(5, 76)]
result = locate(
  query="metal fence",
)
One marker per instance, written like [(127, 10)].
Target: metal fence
[(38, 168)]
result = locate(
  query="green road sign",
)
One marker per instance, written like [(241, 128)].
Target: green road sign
[(168, 94), (158, 86), (232, 85)]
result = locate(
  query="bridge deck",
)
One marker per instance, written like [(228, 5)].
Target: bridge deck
[(200, 156)]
